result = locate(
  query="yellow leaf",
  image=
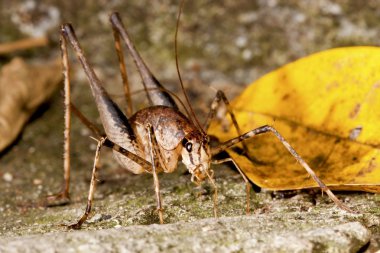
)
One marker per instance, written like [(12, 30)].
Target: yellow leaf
[(327, 106)]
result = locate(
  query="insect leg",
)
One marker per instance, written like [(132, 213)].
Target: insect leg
[(154, 160), (265, 129), (95, 167), (154, 89), (52, 199), (115, 123), (63, 197), (221, 97), (105, 142), (123, 72)]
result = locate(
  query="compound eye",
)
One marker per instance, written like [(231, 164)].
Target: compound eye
[(189, 147)]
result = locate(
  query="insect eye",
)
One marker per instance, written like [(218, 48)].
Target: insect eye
[(189, 146)]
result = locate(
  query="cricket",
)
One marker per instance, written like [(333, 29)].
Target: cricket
[(154, 139)]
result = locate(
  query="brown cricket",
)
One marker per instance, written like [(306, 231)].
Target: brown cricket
[(155, 138)]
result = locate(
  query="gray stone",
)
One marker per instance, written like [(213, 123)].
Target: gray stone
[(208, 235)]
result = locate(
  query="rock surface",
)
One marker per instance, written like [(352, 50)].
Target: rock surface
[(238, 234)]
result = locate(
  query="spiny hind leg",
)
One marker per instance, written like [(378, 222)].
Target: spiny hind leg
[(155, 91), (63, 197), (123, 71), (68, 36)]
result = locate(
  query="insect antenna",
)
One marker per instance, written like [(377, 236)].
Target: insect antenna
[(193, 117)]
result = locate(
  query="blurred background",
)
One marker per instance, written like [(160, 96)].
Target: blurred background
[(221, 42)]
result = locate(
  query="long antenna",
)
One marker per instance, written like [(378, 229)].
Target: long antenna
[(194, 118)]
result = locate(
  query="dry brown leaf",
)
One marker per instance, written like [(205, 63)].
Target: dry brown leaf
[(23, 87)]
